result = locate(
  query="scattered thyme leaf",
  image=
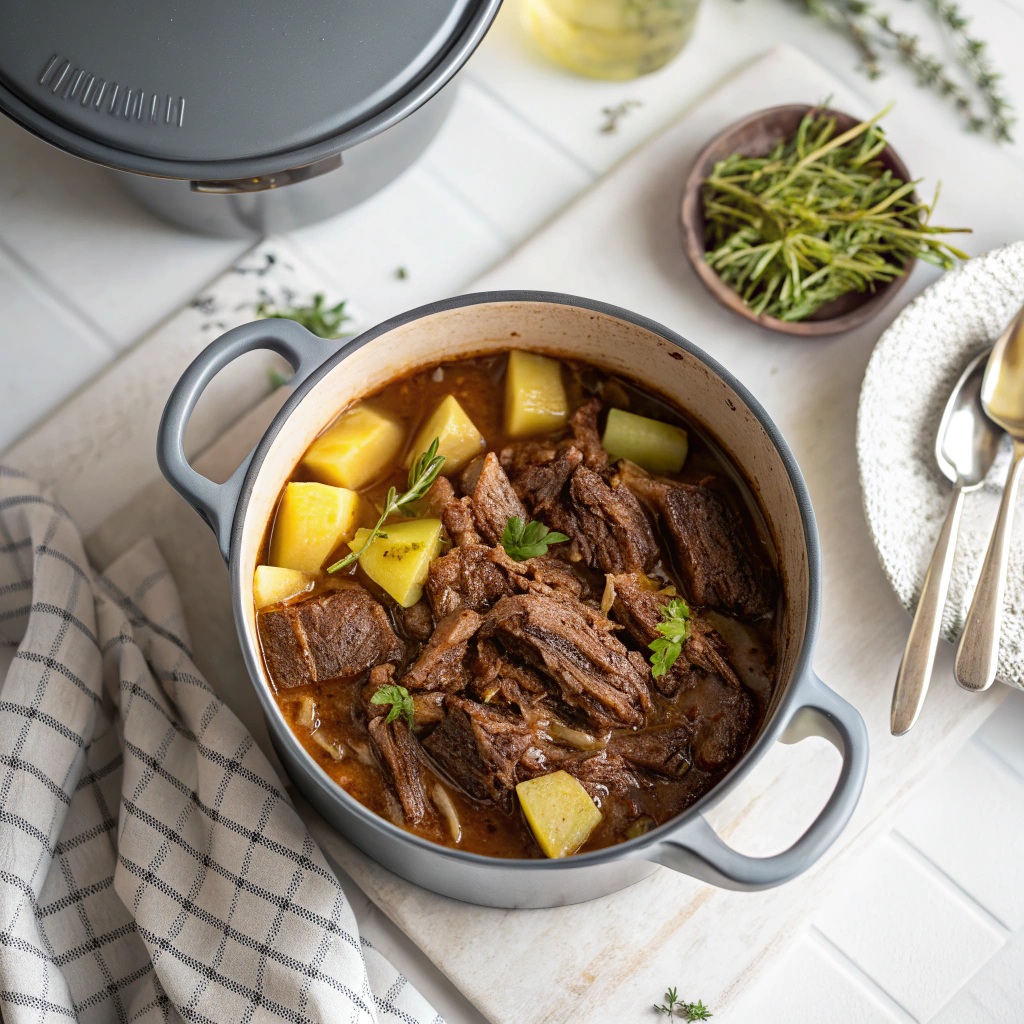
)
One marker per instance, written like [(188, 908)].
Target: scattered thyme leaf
[(676, 1007), (674, 630), (422, 474), (528, 540), (613, 115), (277, 379), (816, 218), (321, 320), (401, 273), (400, 700)]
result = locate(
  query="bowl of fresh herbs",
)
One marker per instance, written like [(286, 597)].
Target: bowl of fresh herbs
[(804, 220)]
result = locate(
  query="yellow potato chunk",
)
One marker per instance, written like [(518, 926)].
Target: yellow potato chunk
[(653, 445), (312, 520), (535, 401), (272, 584), (356, 450), (559, 811), (458, 439), (400, 561)]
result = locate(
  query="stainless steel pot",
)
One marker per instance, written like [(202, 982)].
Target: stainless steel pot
[(244, 116), (328, 378)]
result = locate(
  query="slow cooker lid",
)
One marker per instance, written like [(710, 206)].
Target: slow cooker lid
[(216, 80)]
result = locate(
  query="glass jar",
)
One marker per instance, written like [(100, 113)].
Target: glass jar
[(611, 39)]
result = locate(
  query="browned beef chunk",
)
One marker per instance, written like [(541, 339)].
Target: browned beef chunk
[(341, 633), (442, 663), (665, 751), (492, 498), (614, 532), (478, 747), (638, 608), (586, 436), (441, 493), (715, 555), (496, 678), (475, 576), (593, 670), (603, 773), (702, 682), (417, 622), (401, 763), (457, 519)]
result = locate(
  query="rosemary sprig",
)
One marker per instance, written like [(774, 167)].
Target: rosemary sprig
[(676, 1007), (815, 219), (871, 31), (321, 320), (401, 702), (422, 474), (528, 540), (675, 631)]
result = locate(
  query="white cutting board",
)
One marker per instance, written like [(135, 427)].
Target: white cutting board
[(607, 961)]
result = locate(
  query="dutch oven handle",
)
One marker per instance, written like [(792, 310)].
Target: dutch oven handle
[(697, 850), (216, 502)]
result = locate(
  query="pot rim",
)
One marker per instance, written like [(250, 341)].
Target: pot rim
[(461, 48), (801, 672)]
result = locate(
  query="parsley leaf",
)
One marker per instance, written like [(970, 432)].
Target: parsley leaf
[(674, 630), (400, 700), (528, 540)]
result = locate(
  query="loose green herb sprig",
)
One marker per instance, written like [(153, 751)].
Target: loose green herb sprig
[(422, 474), (321, 320), (401, 702), (871, 31), (528, 540), (815, 219), (675, 631), (675, 1007)]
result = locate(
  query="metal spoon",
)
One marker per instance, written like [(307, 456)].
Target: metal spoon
[(964, 449), (1002, 394)]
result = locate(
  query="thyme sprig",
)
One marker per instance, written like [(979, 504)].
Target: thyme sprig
[(676, 1007), (320, 319), (817, 218), (871, 31), (422, 474)]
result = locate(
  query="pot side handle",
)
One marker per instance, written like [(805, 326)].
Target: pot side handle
[(216, 502), (696, 848)]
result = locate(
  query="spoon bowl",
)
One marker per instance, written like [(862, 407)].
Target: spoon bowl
[(965, 447), (1002, 396)]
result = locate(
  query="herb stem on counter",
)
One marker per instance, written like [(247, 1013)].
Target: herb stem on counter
[(318, 318), (676, 1007)]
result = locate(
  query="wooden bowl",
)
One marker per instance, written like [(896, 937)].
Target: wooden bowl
[(757, 135)]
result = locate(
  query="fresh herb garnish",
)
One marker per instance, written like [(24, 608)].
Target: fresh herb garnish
[(816, 218), (401, 273), (675, 630), (675, 1007), (399, 699), (277, 379), (528, 540), (323, 321), (422, 474), (613, 115)]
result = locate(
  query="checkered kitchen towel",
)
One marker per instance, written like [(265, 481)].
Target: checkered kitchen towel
[(152, 867)]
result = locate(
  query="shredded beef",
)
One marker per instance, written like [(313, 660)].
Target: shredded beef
[(417, 622), (340, 633), (592, 669), (665, 750), (478, 747), (402, 765), (492, 499), (714, 552), (586, 436), (442, 663)]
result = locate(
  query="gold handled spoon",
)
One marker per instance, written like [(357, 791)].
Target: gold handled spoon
[(1002, 396)]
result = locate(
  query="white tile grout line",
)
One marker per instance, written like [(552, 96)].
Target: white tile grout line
[(856, 974), (921, 860), (437, 176), (998, 762), (549, 140), (48, 293)]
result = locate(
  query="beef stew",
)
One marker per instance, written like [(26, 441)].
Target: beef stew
[(498, 630)]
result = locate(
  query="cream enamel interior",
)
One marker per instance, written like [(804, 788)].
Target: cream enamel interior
[(605, 341)]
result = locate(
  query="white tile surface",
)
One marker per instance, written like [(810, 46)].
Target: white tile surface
[(1003, 733), (46, 352), (812, 985), (995, 993), (966, 821), (906, 931)]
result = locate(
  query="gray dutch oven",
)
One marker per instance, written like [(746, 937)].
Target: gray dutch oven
[(328, 379)]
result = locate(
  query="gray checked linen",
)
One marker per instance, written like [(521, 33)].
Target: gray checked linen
[(152, 867)]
